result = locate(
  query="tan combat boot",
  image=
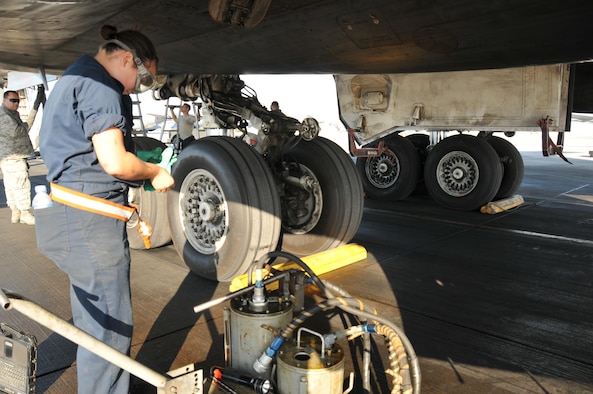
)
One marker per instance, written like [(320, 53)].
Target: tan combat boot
[(16, 214), (27, 218)]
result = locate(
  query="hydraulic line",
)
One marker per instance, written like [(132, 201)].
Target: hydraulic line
[(398, 360), (278, 253), (401, 381), (366, 338), (414, 366), (400, 353), (366, 361), (354, 307)]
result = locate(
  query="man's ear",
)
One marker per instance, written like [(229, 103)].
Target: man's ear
[(126, 58)]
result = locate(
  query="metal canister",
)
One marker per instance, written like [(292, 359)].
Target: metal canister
[(304, 370), (248, 333)]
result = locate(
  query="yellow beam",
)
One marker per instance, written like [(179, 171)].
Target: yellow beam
[(502, 205), (320, 263)]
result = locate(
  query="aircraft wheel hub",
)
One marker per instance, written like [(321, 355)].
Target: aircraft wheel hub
[(203, 210), (383, 171), (457, 173), (302, 208), (207, 210), (383, 168)]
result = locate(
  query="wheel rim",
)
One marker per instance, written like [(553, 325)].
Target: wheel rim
[(302, 208), (457, 173), (383, 171), (203, 209)]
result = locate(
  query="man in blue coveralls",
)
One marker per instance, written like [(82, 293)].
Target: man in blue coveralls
[(90, 171)]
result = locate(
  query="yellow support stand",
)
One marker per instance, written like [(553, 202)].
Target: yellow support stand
[(502, 205), (320, 263)]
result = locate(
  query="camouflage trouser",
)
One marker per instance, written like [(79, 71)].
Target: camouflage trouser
[(17, 186)]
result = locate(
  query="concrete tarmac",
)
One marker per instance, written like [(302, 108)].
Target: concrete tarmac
[(491, 303)]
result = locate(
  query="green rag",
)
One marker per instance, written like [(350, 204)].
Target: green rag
[(151, 156), (162, 158)]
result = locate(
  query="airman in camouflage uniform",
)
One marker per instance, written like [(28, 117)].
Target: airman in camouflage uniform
[(15, 148)]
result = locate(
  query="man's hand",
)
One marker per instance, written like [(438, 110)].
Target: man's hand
[(40, 99), (162, 181)]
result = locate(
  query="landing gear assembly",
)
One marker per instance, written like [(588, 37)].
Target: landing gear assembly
[(231, 200), (462, 172)]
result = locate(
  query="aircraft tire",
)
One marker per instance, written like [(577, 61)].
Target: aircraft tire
[(393, 175), (341, 194), (421, 143), (152, 206), (462, 172), (513, 167), (224, 210)]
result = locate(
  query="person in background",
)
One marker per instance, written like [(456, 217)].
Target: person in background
[(15, 148), (90, 170), (185, 125), (275, 108)]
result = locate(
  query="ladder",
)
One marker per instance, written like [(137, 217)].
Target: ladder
[(170, 132), (137, 116)]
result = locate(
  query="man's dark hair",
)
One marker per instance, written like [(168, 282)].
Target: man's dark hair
[(6, 93), (137, 41)]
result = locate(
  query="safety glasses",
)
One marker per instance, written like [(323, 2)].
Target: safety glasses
[(144, 79)]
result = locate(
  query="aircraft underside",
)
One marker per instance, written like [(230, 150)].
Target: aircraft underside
[(304, 36)]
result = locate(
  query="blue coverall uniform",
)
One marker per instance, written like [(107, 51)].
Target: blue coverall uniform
[(91, 248)]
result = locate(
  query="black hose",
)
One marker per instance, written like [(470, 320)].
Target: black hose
[(413, 365), (352, 305), (412, 358), (298, 261), (347, 304)]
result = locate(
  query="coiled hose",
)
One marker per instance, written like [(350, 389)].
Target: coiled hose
[(398, 357), (403, 360)]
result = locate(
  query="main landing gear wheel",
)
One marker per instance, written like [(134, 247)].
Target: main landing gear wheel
[(394, 174), (512, 164), (151, 205), (462, 172), (224, 211), (327, 215)]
